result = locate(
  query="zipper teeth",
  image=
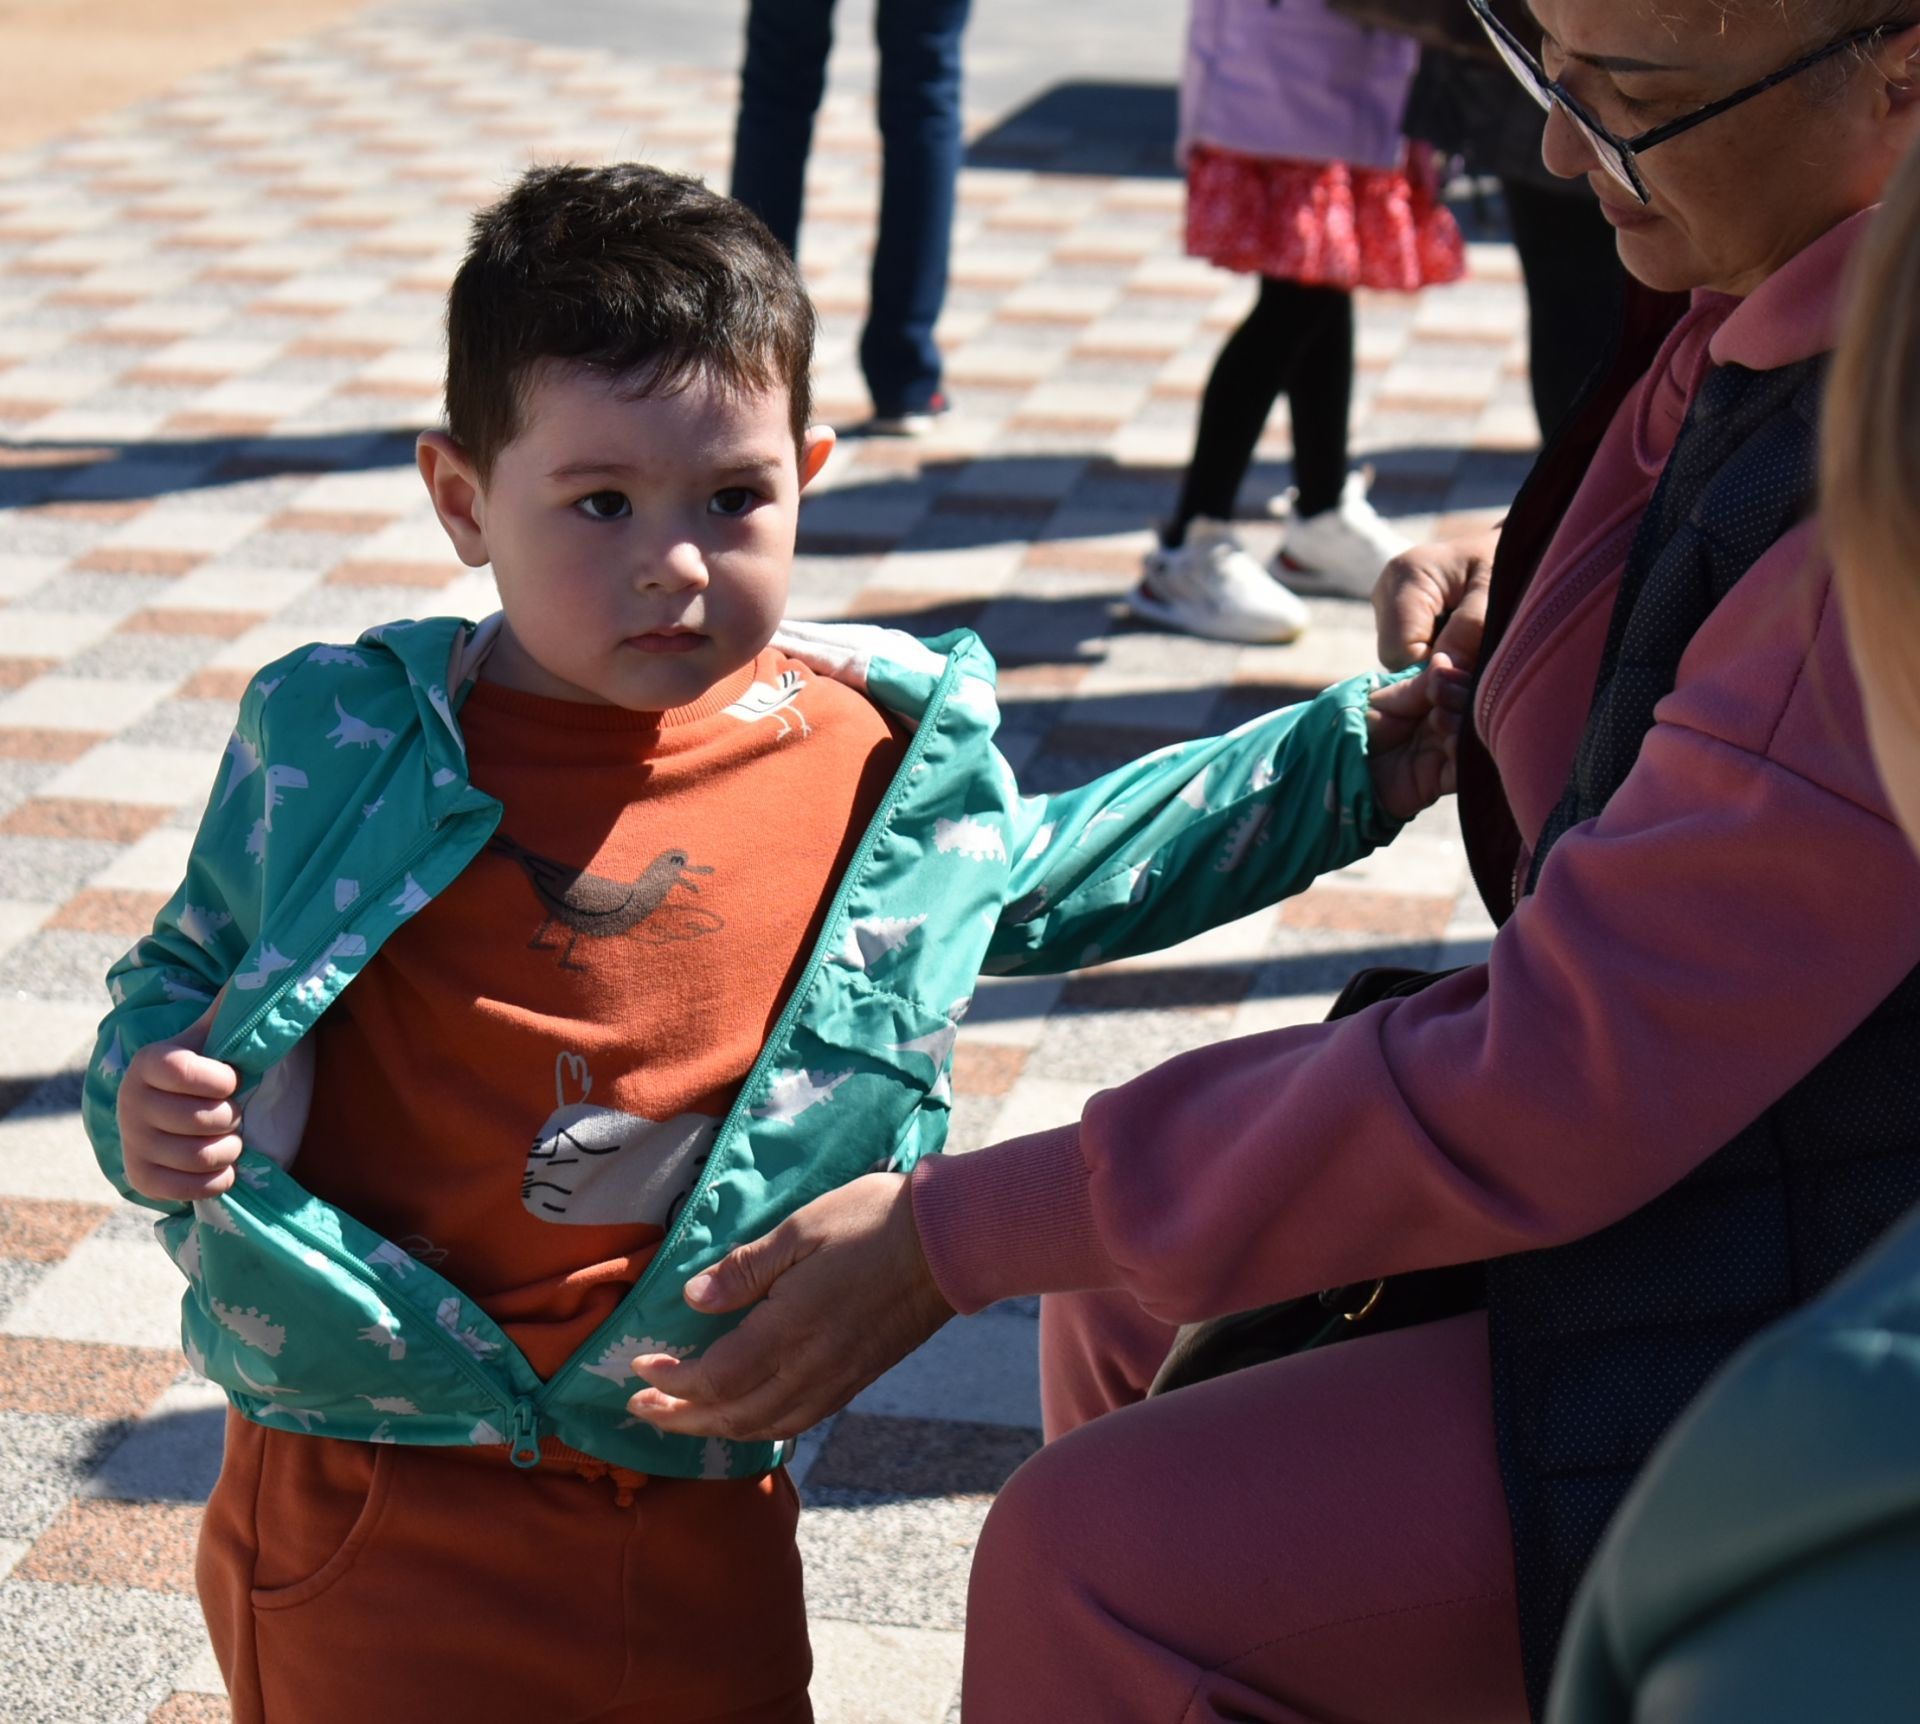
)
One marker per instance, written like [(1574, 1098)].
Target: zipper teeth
[(795, 1002), (1569, 593), (298, 969)]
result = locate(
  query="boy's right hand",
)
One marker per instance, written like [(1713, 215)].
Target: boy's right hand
[(179, 1134)]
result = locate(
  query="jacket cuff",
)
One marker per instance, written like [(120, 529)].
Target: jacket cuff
[(1012, 1219)]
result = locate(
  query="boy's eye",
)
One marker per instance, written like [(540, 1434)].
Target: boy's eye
[(605, 506), (734, 500)]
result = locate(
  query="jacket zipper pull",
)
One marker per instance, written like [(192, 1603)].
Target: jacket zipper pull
[(523, 1437)]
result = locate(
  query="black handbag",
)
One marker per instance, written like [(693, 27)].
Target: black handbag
[(1221, 1345)]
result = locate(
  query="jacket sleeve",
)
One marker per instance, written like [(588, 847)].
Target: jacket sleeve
[(170, 976), (1191, 836), (1687, 958)]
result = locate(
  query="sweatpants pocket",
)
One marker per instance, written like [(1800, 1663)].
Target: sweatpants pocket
[(320, 1502)]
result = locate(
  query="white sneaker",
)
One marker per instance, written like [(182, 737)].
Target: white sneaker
[(1209, 585), (1343, 549)]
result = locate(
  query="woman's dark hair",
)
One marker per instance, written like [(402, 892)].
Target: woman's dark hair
[(643, 274)]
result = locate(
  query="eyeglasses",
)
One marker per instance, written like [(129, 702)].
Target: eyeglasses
[(1618, 155)]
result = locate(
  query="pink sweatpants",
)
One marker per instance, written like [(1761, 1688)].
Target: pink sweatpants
[(1322, 1540)]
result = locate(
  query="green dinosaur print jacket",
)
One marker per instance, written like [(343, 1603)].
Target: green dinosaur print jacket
[(343, 806)]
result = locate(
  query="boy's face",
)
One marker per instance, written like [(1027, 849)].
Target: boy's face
[(641, 547)]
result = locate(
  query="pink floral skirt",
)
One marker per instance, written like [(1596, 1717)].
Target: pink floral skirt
[(1323, 223)]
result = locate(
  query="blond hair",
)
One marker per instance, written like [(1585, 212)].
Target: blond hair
[(1870, 448)]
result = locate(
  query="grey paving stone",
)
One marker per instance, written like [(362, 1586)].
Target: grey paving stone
[(875, 1558), (172, 1454), (117, 595), (202, 724), (145, 657), (90, 1655), (982, 1370), (129, 1221), (340, 613), (1097, 1049), (20, 779), (59, 964), (49, 870), (17, 1277), (46, 1459), (42, 536)]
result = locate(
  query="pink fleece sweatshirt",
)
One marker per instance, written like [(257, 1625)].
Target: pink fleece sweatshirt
[(1742, 904)]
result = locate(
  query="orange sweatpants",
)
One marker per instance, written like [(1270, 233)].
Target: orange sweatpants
[(381, 1584)]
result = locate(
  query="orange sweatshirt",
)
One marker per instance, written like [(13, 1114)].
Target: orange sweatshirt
[(523, 1085)]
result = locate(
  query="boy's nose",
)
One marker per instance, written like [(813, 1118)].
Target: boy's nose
[(673, 565)]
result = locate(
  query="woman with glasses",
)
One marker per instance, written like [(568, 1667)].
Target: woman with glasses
[(1679, 1095), (1766, 1568)]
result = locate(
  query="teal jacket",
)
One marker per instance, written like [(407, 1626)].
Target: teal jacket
[(1766, 1568), (343, 806)]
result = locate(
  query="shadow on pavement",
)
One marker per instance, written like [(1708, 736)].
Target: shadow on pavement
[(1125, 130), (33, 473)]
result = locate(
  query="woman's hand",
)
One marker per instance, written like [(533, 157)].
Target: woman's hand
[(1413, 733), (845, 1294), (1433, 598)]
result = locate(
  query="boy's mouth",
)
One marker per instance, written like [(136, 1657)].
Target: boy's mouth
[(674, 640)]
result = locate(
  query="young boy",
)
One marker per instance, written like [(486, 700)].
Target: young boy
[(559, 954)]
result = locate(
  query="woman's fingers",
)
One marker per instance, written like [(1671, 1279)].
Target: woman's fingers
[(1433, 597), (847, 1295)]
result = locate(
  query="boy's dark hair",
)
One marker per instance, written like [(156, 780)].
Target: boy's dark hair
[(645, 274)]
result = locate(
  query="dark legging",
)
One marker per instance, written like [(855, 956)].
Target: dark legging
[(1298, 339)]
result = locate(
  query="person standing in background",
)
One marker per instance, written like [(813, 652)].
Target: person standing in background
[(781, 82), (1297, 173)]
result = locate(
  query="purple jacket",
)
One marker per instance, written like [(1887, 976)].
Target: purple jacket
[(1290, 78)]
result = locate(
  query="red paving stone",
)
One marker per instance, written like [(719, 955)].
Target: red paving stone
[(217, 683), (385, 574), (18, 672), (40, 1230), (47, 746), (1393, 915), (345, 522), (138, 560), (81, 817), (148, 1546), (101, 910), (222, 625), (192, 1709), (82, 1379), (986, 1068)]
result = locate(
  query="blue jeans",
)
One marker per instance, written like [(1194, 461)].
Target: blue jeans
[(780, 88)]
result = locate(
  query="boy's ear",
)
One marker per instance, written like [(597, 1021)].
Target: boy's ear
[(458, 497), (815, 447)]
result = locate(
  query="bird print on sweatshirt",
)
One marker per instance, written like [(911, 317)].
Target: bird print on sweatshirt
[(591, 906)]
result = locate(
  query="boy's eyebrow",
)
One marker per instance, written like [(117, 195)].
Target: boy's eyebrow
[(727, 465)]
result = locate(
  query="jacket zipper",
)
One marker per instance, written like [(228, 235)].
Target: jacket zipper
[(1569, 593), (856, 868)]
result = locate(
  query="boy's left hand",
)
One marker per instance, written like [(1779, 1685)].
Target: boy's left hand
[(1413, 730)]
